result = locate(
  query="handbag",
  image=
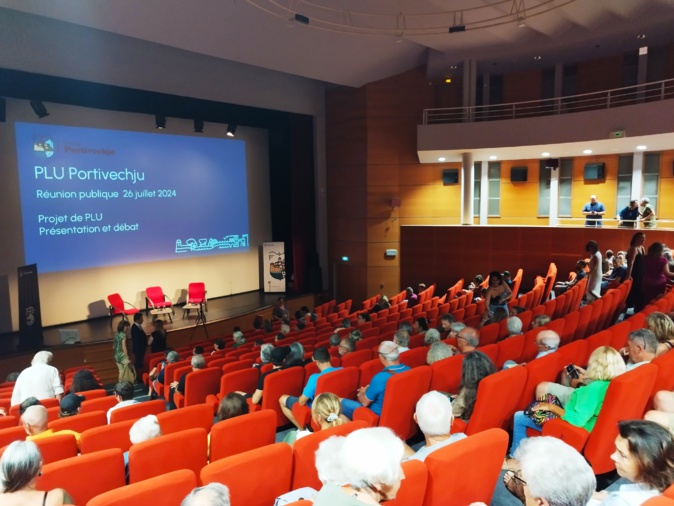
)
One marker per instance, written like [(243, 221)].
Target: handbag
[(539, 417)]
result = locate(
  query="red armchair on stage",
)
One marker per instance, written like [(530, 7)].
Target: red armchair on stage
[(157, 302), (119, 306)]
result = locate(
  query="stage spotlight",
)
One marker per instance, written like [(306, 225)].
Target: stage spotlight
[(231, 129), (39, 108), (160, 121), (199, 126)]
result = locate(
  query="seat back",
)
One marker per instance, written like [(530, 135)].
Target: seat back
[(98, 404), (166, 490), (602, 338), (413, 488), (489, 334), (594, 325), (196, 292), (490, 445), (491, 350), (57, 447), (238, 366), (241, 473), (585, 313), (574, 353), (664, 379), (542, 369), (244, 380), (190, 417), (510, 349), (570, 325), (446, 374), (620, 333), (138, 410), (369, 369), (71, 475), (200, 384), (115, 435), (304, 453), (492, 408), (367, 344), (242, 433), (155, 294), (80, 422), (287, 381), (343, 383), (415, 357), (171, 452), (93, 394), (403, 390), (12, 434), (116, 303), (355, 358)]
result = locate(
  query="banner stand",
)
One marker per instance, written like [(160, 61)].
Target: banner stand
[(30, 318), (273, 262)]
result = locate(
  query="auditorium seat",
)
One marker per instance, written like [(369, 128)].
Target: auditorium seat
[(369, 369), (574, 353), (237, 366), (446, 374), (80, 422), (166, 490), (9, 421), (595, 320), (98, 404), (198, 385), (242, 433), (664, 379), (597, 340), (93, 394), (169, 370), (244, 380), (356, 358), (120, 306), (570, 325), (413, 488), (242, 474), (585, 313), (284, 382), (510, 349), (156, 300), (137, 410), (542, 369), (190, 417), (115, 435), (12, 434), (415, 357), (620, 333), (56, 447), (491, 350), (489, 334)]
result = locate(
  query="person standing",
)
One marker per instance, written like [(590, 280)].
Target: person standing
[(635, 271), (627, 218), (138, 343), (593, 212), (647, 215), (593, 289)]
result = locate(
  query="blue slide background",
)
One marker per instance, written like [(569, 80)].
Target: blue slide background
[(207, 174)]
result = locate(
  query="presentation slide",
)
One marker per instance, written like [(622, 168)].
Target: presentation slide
[(93, 197)]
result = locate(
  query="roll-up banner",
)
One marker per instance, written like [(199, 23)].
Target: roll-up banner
[(30, 319), (274, 267)]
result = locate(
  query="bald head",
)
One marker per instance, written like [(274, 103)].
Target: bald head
[(468, 339), (548, 339), (35, 419)]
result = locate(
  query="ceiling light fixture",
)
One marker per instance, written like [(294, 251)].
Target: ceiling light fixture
[(641, 36), (454, 67), (199, 126), (231, 129), (641, 147), (442, 159), (545, 154), (39, 108), (159, 121), (538, 57), (587, 151), (493, 157)]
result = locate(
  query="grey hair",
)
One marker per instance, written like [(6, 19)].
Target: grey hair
[(285, 328), (437, 352), (145, 429), (371, 456), (173, 357), (265, 353), (649, 341), (457, 326), (198, 361), (434, 414), (238, 336), (550, 339), (645, 199), (327, 461), (20, 464), (213, 494), (393, 354), (554, 471), (514, 325), (42, 357), (406, 326), (471, 335), (402, 337), (431, 336)]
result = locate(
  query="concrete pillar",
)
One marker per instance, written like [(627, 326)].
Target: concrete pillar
[(467, 181), (559, 82), (554, 198), (469, 87), (485, 89), (637, 174), (484, 192), (642, 72)]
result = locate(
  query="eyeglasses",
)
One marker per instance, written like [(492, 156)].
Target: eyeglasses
[(515, 475)]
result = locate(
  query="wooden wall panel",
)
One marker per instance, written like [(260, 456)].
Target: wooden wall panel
[(600, 74), (386, 230), (347, 201), (389, 277), (666, 190), (376, 254), (522, 86)]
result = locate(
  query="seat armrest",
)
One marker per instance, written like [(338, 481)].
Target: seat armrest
[(458, 426), (367, 415), (302, 414), (570, 434)]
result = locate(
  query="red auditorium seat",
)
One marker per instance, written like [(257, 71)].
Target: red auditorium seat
[(166, 490), (242, 433)]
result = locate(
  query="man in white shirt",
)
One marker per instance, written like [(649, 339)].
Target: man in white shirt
[(40, 380), (124, 396), (641, 348), (402, 339)]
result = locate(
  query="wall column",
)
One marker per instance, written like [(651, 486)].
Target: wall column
[(637, 174), (484, 192), (469, 87), (467, 181), (559, 83), (554, 198)]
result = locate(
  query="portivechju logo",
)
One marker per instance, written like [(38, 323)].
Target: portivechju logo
[(44, 148)]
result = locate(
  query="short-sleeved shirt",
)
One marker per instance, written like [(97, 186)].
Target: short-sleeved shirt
[(648, 215), (310, 388), (375, 392), (260, 380), (425, 451), (41, 381), (593, 221)]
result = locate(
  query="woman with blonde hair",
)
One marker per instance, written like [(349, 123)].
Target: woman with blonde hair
[(326, 411), (663, 327)]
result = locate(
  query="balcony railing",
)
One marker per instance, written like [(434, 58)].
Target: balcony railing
[(619, 97)]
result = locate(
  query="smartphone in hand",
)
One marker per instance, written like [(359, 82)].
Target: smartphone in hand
[(572, 371)]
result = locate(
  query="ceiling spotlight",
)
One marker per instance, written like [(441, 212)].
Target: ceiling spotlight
[(537, 57), (545, 154), (454, 67), (39, 108), (641, 36), (641, 147), (587, 151), (521, 23), (199, 126), (442, 159), (301, 19), (159, 121), (448, 80), (493, 157), (231, 129)]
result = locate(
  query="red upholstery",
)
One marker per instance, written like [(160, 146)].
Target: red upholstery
[(570, 326), (237, 366), (11, 434), (510, 349), (242, 433), (156, 298), (530, 349), (446, 375), (98, 404), (104, 470), (241, 474), (119, 306), (597, 340), (57, 447), (304, 453), (542, 369), (79, 423), (415, 357), (198, 385), (574, 353), (200, 416), (585, 313), (477, 477), (171, 452), (115, 435), (369, 369), (244, 380), (356, 358), (8, 422), (620, 333), (413, 488), (489, 334), (493, 408), (343, 383), (166, 490), (92, 394), (664, 379), (137, 411), (367, 344), (287, 381), (491, 350), (593, 325), (169, 371), (196, 293)]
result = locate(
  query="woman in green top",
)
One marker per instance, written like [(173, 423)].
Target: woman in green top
[(119, 347), (585, 402)]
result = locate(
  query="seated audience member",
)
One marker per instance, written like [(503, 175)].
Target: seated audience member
[(11, 377), (662, 326), (35, 421), (142, 430), (321, 357), (411, 297), (327, 461), (438, 351), (280, 311), (372, 395), (40, 380), (124, 395), (547, 341), (156, 375), (467, 340), (554, 473), (70, 405), (584, 403), (232, 405), (356, 335), (475, 287), (265, 354), (362, 318), (641, 348), (431, 336), (197, 364), (663, 409), (434, 417), (218, 345), (369, 461), (498, 315), (198, 350), (475, 367), (21, 467), (268, 327), (420, 325), (607, 264), (238, 338), (644, 456), (346, 345), (346, 323), (278, 355), (213, 494), (540, 320), (326, 412), (454, 329), (334, 340), (516, 310), (83, 381), (514, 325), (301, 324), (158, 337), (310, 315), (407, 327), (445, 321), (31, 401), (618, 273), (402, 339), (295, 356)]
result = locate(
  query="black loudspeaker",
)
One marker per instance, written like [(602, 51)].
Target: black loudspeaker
[(450, 176), (3, 110), (519, 174), (552, 163)]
